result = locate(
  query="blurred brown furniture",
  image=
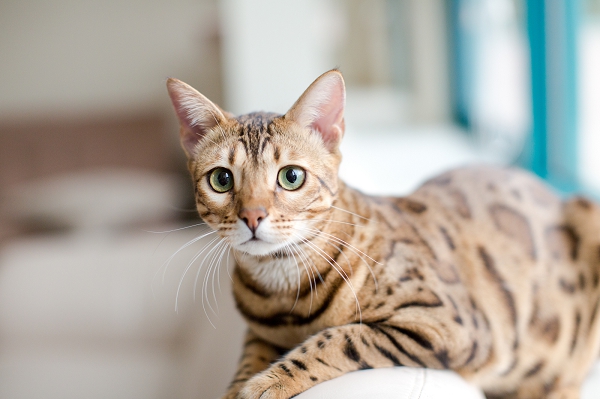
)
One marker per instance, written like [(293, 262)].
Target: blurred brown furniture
[(32, 149)]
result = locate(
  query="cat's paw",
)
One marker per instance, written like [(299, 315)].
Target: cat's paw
[(273, 384)]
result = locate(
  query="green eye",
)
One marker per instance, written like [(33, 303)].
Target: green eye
[(221, 180), (291, 177)]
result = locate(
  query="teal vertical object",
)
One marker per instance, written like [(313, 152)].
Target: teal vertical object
[(552, 28), (536, 28), (462, 36)]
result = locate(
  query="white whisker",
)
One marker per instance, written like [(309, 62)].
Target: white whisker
[(341, 252), (332, 262), (310, 272), (314, 270), (226, 248), (329, 220), (167, 232), (227, 263), (289, 252), (213, 268), (352, 248), (187, 268), (167, 262), (351, 213), (170, 231), (207, 257), (344, 243)]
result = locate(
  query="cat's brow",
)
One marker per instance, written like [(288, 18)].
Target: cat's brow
[(255, 131)]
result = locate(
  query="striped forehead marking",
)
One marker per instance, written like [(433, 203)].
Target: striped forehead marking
[(256, 131)]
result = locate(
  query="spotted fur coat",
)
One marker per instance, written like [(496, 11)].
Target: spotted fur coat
[(481, 270)]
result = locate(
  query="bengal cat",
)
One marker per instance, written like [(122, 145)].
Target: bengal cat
[(481, 270)]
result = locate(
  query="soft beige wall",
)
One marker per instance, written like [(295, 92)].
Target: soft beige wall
[(72, 56)]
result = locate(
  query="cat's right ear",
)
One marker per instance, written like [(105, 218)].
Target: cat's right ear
[(197, 114)]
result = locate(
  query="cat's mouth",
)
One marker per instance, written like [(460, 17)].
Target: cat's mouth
[(260, 247), (253, 240)]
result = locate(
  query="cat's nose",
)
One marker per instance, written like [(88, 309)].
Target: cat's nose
[(252, 217)]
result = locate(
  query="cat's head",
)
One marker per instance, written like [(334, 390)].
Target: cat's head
[(264, 181)]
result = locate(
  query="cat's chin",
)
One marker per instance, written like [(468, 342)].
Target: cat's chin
[(260, 248)]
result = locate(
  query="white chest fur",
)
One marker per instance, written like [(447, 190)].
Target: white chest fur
[(275, 274)]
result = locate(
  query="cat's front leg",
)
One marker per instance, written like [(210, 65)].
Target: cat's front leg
[(336, 351), (256, 357)]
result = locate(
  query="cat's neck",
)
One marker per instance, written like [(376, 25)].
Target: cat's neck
[(332, 238)]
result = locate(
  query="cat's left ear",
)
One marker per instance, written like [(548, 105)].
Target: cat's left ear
[(321, 108)]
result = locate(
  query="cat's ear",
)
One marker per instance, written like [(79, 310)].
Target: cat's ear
[(197, 114), (321, 108)]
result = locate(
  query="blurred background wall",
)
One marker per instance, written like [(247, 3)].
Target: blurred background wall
[(93, 186)]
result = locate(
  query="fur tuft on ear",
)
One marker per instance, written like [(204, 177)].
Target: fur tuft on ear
[(196, 113), (321, 108)]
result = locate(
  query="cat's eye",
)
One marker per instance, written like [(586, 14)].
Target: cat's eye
[(291, 177), (221, 180)]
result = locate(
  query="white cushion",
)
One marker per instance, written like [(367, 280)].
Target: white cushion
[(415, 383), (395, 383)]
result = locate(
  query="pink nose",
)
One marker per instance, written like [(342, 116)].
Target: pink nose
[(252, 217)]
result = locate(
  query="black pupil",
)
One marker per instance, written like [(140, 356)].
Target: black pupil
[(291, 175), (223, 178)]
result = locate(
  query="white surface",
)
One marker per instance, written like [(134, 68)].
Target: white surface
[(395, 383), (589, 100), (415, 383), (591, 386)]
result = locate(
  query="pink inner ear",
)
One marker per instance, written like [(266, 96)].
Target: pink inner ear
[(330, 115), (195, 112), (190, 134), (182, 113), (330, 123)]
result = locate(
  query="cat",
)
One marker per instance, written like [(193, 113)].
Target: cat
[(482, 270)]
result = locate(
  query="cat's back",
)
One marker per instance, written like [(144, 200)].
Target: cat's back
[(487, 221), (493, 206), (484, 208), (477, 192), (498, 227), (497, 217)]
